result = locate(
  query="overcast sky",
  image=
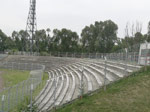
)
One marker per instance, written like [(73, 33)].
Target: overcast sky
[(74, 14)]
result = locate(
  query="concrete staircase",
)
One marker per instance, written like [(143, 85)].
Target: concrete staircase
[(63, 85)]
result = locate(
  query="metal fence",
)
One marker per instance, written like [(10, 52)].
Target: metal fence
[(2, 56), (130, 57), (13, 96), (90, 80)]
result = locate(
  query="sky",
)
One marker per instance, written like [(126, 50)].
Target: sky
[(74, 14)]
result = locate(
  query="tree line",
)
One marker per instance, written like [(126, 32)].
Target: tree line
[(98, 37)]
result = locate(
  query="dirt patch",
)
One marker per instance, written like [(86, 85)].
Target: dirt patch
[(1, 81)]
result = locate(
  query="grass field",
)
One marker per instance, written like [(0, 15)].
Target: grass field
[(131, 94), (13, 77), (23, 106)]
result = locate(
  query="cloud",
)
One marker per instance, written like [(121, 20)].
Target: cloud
[(73, 14)]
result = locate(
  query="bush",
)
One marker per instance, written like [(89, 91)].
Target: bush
[(44, 54), (13, 51)]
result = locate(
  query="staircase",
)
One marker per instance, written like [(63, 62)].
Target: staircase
[(63, 85)]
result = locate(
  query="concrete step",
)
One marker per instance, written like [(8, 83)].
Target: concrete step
[(57, 94), (65, 90), (116, 68), (69, 80), (49, 95), (70, 95), (92, 73), (111, 71), (89, 82), (45, 88), (46, 92)]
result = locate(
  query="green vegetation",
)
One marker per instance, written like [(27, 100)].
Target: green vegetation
[(100, 37), (23, 106), (40, 87), (131, 94), (13, 77)]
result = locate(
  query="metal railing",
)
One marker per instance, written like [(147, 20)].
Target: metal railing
[(13, 96), (130, 57)]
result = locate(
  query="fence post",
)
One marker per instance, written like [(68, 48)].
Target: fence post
[(96, 56), (32, 66), (16, 94), (3, 99), (7, 64), (105, 74), (66, 54), (55, 92), (126, 50), (23, 90), (12, 66), (9, 92), (25, 66), (18, 66), (82, 84), (58, 54), (31, 96)]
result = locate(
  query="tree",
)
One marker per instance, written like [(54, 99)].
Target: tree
[(99, 37), (147, 36), (3, 39), (65, 40), (24, 41), (41, 40)]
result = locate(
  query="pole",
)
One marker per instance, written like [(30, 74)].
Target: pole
[(55, 93), (12, 66), (105, 74), (31, 97), (81, 84), (126, 59), (3, 99), (9, 92), (146, 57)]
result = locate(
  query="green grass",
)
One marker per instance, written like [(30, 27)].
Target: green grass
[(40, 87), (23, 106), (13, 77), (131, 94)]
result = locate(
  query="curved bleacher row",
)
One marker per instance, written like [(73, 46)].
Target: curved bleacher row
[(63, 85)]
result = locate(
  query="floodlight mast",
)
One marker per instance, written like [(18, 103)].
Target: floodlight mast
[(31, 24)]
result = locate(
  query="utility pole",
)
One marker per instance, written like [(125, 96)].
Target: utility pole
[(31, 24)]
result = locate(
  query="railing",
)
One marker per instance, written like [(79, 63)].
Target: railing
[(13, 96), (130, 57), (2, 56)]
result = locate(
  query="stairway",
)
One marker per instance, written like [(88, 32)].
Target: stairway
[(64, 82)]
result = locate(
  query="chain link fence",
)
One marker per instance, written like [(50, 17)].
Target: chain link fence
[(128, 57), (13, 96), (2, 56), (67, 83)]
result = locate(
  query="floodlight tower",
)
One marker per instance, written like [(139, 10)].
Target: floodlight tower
[(31, 24)]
